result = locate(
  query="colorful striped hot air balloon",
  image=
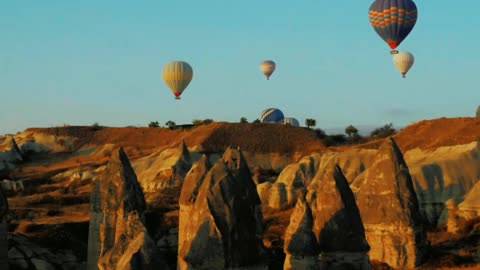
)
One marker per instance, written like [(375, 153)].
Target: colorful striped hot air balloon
[(177, 75), (272, 115), (393, 20), (403, 61), (267, 67)]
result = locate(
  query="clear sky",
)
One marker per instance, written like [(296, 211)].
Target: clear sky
[(81, 62)]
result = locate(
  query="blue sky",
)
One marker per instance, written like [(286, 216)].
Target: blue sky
[(81, 62)]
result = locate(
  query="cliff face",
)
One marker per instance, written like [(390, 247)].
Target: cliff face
[(390, 210), (117, 236), (443, 174), (220, 216)]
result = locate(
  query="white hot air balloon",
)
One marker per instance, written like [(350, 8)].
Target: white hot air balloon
[(403, 61)]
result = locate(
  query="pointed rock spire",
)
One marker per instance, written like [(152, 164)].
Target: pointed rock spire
[(338, 225), (117, 235), (387, 194), (299, 237), (301, 245), (119, 188), (194, 180), (390, 210), (15, 150), (227, 213)]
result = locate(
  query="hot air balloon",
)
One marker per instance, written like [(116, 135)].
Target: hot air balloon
[(267, 67), (403, 61), (393, 20), (291, 121), (177, 75), (272, 115)]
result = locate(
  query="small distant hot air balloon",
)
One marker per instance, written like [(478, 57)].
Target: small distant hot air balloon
[(267, 67), (177, 75), (393, 20), (291, 121), (403, 61), (272, 115)]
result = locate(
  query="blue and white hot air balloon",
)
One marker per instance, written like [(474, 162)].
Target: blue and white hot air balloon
[(272, 115), (291, 121)]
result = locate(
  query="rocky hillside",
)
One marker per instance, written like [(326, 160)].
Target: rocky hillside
[(50, 175)]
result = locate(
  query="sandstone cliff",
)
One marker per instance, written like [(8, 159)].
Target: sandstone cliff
[(390, 210), (442, 174), (220, 216)]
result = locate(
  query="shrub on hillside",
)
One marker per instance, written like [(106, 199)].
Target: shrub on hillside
[(335, 140), (383, 132), (154, 124)]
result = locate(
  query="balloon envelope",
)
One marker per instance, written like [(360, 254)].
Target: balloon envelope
[(267, 67), (177, 75), (403, 61), (291, 121), (272, 115), (393, 20)]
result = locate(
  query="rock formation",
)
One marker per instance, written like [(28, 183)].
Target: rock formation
[(390, 210), (445, 173), (25, 254), (352, 161), (337, 223), (301, 246), (452, 220), (290, 185), (15, 152), (3, 230), (470, 207), (12, 156), (164, 169), (220, 216), (117, 236), (478, 112)]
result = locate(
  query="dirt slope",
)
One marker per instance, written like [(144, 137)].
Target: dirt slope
[(431, 134)]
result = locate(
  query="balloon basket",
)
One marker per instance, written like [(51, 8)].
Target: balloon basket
[(394, 52), (177, 98)]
